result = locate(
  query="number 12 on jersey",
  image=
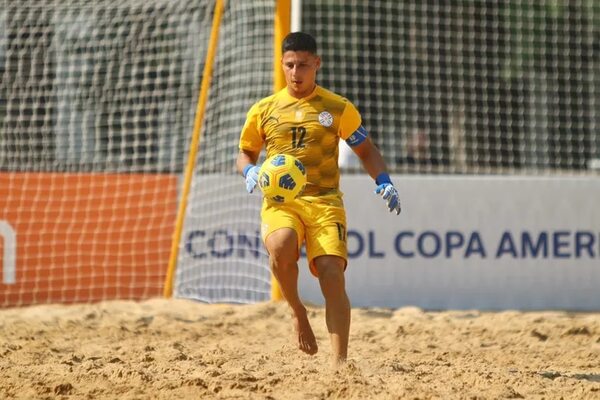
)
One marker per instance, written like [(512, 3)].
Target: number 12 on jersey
[(298, 134)]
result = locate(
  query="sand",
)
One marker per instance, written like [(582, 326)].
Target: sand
[(179, 349)]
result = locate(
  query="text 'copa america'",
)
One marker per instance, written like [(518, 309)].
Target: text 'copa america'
[(409, 244)]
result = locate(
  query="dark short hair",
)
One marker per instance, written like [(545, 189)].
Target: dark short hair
[(299, 41)]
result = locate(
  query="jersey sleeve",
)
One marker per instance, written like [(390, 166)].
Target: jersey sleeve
[(251, 137), (350, 121)]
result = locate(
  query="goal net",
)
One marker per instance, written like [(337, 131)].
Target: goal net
[(98, 99), (221, 257), (97, 103), (468, 86)]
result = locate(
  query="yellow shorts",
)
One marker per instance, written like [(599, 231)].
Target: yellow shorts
[(320, 221)]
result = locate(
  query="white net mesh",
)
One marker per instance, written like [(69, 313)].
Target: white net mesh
[(97, 101), (221, 256), (468, 86), (99, 86)]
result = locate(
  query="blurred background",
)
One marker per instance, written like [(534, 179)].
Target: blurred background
[(443, 86)]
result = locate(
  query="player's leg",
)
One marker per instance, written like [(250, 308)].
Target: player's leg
[(282, 231), (282, 246), (330, 270), (327, 251)]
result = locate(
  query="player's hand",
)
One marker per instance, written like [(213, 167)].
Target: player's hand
[(386, 189), (251, 175)]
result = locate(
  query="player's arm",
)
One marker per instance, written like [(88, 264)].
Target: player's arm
[(251, 141), (246, 165), (357, 137), (370, 157), (374, 164), (245, 158)]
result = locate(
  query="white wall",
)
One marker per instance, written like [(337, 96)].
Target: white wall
[(461, 242), (473, 242)]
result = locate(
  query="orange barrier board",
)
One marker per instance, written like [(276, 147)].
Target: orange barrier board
[(84, 237)]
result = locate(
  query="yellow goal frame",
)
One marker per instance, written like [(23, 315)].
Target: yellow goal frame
[(281, 29)]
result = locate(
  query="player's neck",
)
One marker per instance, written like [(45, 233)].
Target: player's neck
[(303, 94)]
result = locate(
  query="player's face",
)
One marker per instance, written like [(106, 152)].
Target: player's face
[(300, 69)]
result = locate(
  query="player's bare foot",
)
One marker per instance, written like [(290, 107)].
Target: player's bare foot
[(306, 338), (338, 362)]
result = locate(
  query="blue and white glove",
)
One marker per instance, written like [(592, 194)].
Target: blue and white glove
[(251, 175), (386, 189)]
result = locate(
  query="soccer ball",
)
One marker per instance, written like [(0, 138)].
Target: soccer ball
[(282, 178)]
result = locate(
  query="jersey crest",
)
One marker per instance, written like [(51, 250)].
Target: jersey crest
[(326, 119)]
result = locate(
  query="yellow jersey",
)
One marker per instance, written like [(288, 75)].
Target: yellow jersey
[(308, 128)]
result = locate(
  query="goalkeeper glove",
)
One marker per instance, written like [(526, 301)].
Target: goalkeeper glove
[(251, 175), (386, 189)]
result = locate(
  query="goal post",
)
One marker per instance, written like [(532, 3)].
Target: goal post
[(220, 253), (281, 24), (194, 145)]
